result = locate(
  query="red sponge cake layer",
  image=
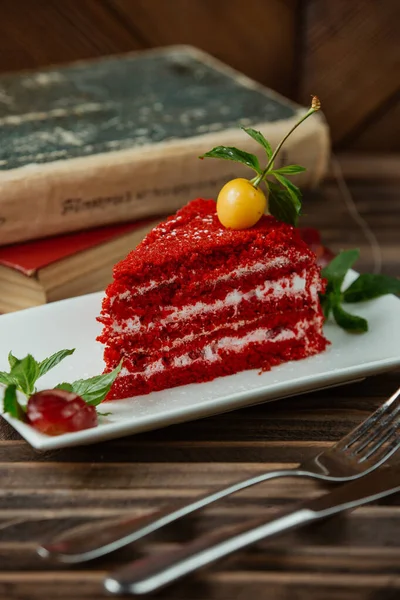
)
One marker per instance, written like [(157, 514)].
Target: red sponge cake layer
[(195, 301)]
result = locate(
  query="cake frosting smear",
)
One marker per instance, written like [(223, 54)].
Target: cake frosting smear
[(195, 301)]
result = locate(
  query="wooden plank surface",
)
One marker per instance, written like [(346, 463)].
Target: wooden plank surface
[(352, 557), (349, 55), (34, 34), (255, 36)]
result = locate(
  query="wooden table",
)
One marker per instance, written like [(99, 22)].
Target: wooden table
[(355, 556)]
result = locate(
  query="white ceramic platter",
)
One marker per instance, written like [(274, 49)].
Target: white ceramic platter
[(72, 324)]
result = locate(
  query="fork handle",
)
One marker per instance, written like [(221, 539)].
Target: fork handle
[(89, 542), (154, 572)]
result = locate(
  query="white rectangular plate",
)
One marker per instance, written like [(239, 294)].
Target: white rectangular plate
[(72, 324)]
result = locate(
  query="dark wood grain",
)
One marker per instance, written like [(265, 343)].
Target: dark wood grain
[(256, 37), (34, 34), (350, 53), (352, 557), (53, 32), (381, 133)]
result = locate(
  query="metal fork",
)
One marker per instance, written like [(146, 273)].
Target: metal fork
[(361, 451)]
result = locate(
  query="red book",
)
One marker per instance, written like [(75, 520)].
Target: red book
[(55, 268)]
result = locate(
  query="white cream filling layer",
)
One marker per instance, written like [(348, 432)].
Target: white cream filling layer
[(143, 289), (257, 267), (211, 352), (293, 286), (187, 339), (295, 283)]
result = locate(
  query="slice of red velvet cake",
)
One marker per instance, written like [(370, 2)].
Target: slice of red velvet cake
[(195, 301)]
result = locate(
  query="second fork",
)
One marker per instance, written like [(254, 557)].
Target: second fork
[(361, 451)]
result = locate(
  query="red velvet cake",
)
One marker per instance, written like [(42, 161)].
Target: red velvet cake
[(195, 301)]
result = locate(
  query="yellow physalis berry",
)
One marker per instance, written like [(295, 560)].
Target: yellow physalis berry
[(240, 205)]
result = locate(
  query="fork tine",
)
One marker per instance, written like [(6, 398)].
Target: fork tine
[(388, 436), (382, 452), (370, 423), (378, 431)]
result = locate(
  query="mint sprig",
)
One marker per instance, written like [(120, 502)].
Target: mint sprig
[(260, 139), (281, 204), (92, 390), (6, 378), (284, 197), (369, 286), (12, 360), (335, 272), (49, 363), (347, 321), (290, 170), (365, 287), (239, 156), (25, 372), (11, 404)]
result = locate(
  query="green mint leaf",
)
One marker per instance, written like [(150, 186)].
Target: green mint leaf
[(240, 156), (92, 390), (53, 360), (12, 360), (25, 374), (292, 189), (289, 170), (349, 322), (281, 205), (6, 378), (11, 404), (259, 138), (67, 387), (336, 271), (369, 286)]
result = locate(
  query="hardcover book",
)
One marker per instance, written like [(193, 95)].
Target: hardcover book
[(118, 139)]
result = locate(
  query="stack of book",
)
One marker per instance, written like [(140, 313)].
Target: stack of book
[(93, 154), (55, 268)]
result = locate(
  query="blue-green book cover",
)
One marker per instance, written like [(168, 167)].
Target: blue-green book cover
[(118, 138)]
